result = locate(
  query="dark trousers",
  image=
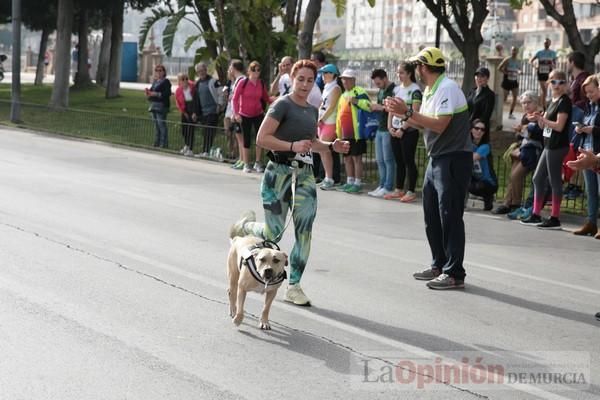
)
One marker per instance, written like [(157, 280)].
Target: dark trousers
[(444, 189), (482, 188), (319, 170), (187, 126), (209, 123), (404, 150)]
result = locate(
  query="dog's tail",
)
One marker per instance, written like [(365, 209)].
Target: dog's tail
[(237, 229)]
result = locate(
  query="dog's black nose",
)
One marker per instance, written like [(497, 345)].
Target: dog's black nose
[(268, 273)]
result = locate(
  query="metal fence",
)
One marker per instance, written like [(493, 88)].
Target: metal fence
[(140, 132)]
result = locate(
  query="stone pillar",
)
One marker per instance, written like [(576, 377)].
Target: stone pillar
[(494, 83)]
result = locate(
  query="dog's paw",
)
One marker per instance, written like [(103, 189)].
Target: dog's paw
[(237, 320), (264, 325)]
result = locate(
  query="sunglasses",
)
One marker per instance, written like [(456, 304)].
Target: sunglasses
[(255, 69), (479, 128), (558, 82)]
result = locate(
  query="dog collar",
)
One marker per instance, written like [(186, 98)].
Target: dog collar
[(247, 258)]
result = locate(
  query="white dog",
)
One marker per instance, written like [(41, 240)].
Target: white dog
[(254, 265)]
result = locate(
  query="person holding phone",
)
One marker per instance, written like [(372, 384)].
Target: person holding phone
[(589, 129)]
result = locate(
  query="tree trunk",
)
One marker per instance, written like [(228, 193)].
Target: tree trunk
[(470, 52), (82, 78), (104, 57), (313, 12), (62, 58), (290, 15), (116, 48), (39, 71)]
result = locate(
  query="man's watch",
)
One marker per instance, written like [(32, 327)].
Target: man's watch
[(407, 114)]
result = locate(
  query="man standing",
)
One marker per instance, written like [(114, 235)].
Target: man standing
[(209, 97), (445, 119), (319, 58), (386, 164), (282, 84), (578, 74), (546, 61)]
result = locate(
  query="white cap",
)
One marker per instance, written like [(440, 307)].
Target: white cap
[(348, 73)]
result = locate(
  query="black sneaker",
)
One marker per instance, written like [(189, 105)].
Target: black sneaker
[(503, 209), (550, 223), (427, 274), (533, 220), (598, 316)]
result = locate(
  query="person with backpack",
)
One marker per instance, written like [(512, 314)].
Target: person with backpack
[(209, 102), (353, 99), (250, 99)]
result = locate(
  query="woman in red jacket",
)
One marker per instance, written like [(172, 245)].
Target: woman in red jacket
[(249, 101), (184, 97)]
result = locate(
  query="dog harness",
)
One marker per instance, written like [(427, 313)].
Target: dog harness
[(247, 258)]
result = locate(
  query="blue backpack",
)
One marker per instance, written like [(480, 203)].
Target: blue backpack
[(368, 122)]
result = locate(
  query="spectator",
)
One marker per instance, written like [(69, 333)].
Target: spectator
[(184, 98), (546, 61), (327, 117), (319, 59), (483, 181), (405, 136), (577, 74), (159, 97), (589, 131), (386, 165), (511, 68), (525, 157), (236, 74), (250, 99), (445, 120), (209, 103), (353, 99), (481, 100), (288, 131), (282, 84), (555, 123)]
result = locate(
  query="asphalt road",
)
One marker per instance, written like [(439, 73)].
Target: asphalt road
[(112, 286)]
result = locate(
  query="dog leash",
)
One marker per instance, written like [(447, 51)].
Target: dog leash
[(294, 167)]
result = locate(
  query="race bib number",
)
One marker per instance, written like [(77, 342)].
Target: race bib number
[(544, 69), (547, 132), (396, 122), (512, 75), (306, 158)]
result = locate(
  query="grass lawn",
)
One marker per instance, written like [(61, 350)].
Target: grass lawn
[(130, 103)]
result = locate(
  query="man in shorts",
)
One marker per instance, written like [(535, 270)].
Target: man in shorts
[(353, 99), (546, 61)]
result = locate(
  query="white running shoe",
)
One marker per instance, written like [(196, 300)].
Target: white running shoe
[(183, 149), (374, 193), (294, 294), (188, 153), (382, 193)]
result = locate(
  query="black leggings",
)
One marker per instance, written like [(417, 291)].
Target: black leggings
[(404, 150), (247, 124)]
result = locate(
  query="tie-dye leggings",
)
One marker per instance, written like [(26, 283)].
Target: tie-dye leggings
[(276, 193)]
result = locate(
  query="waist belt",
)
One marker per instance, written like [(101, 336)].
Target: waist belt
[(286, 158)]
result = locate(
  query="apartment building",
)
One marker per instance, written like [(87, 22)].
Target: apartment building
[(364, 25)]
